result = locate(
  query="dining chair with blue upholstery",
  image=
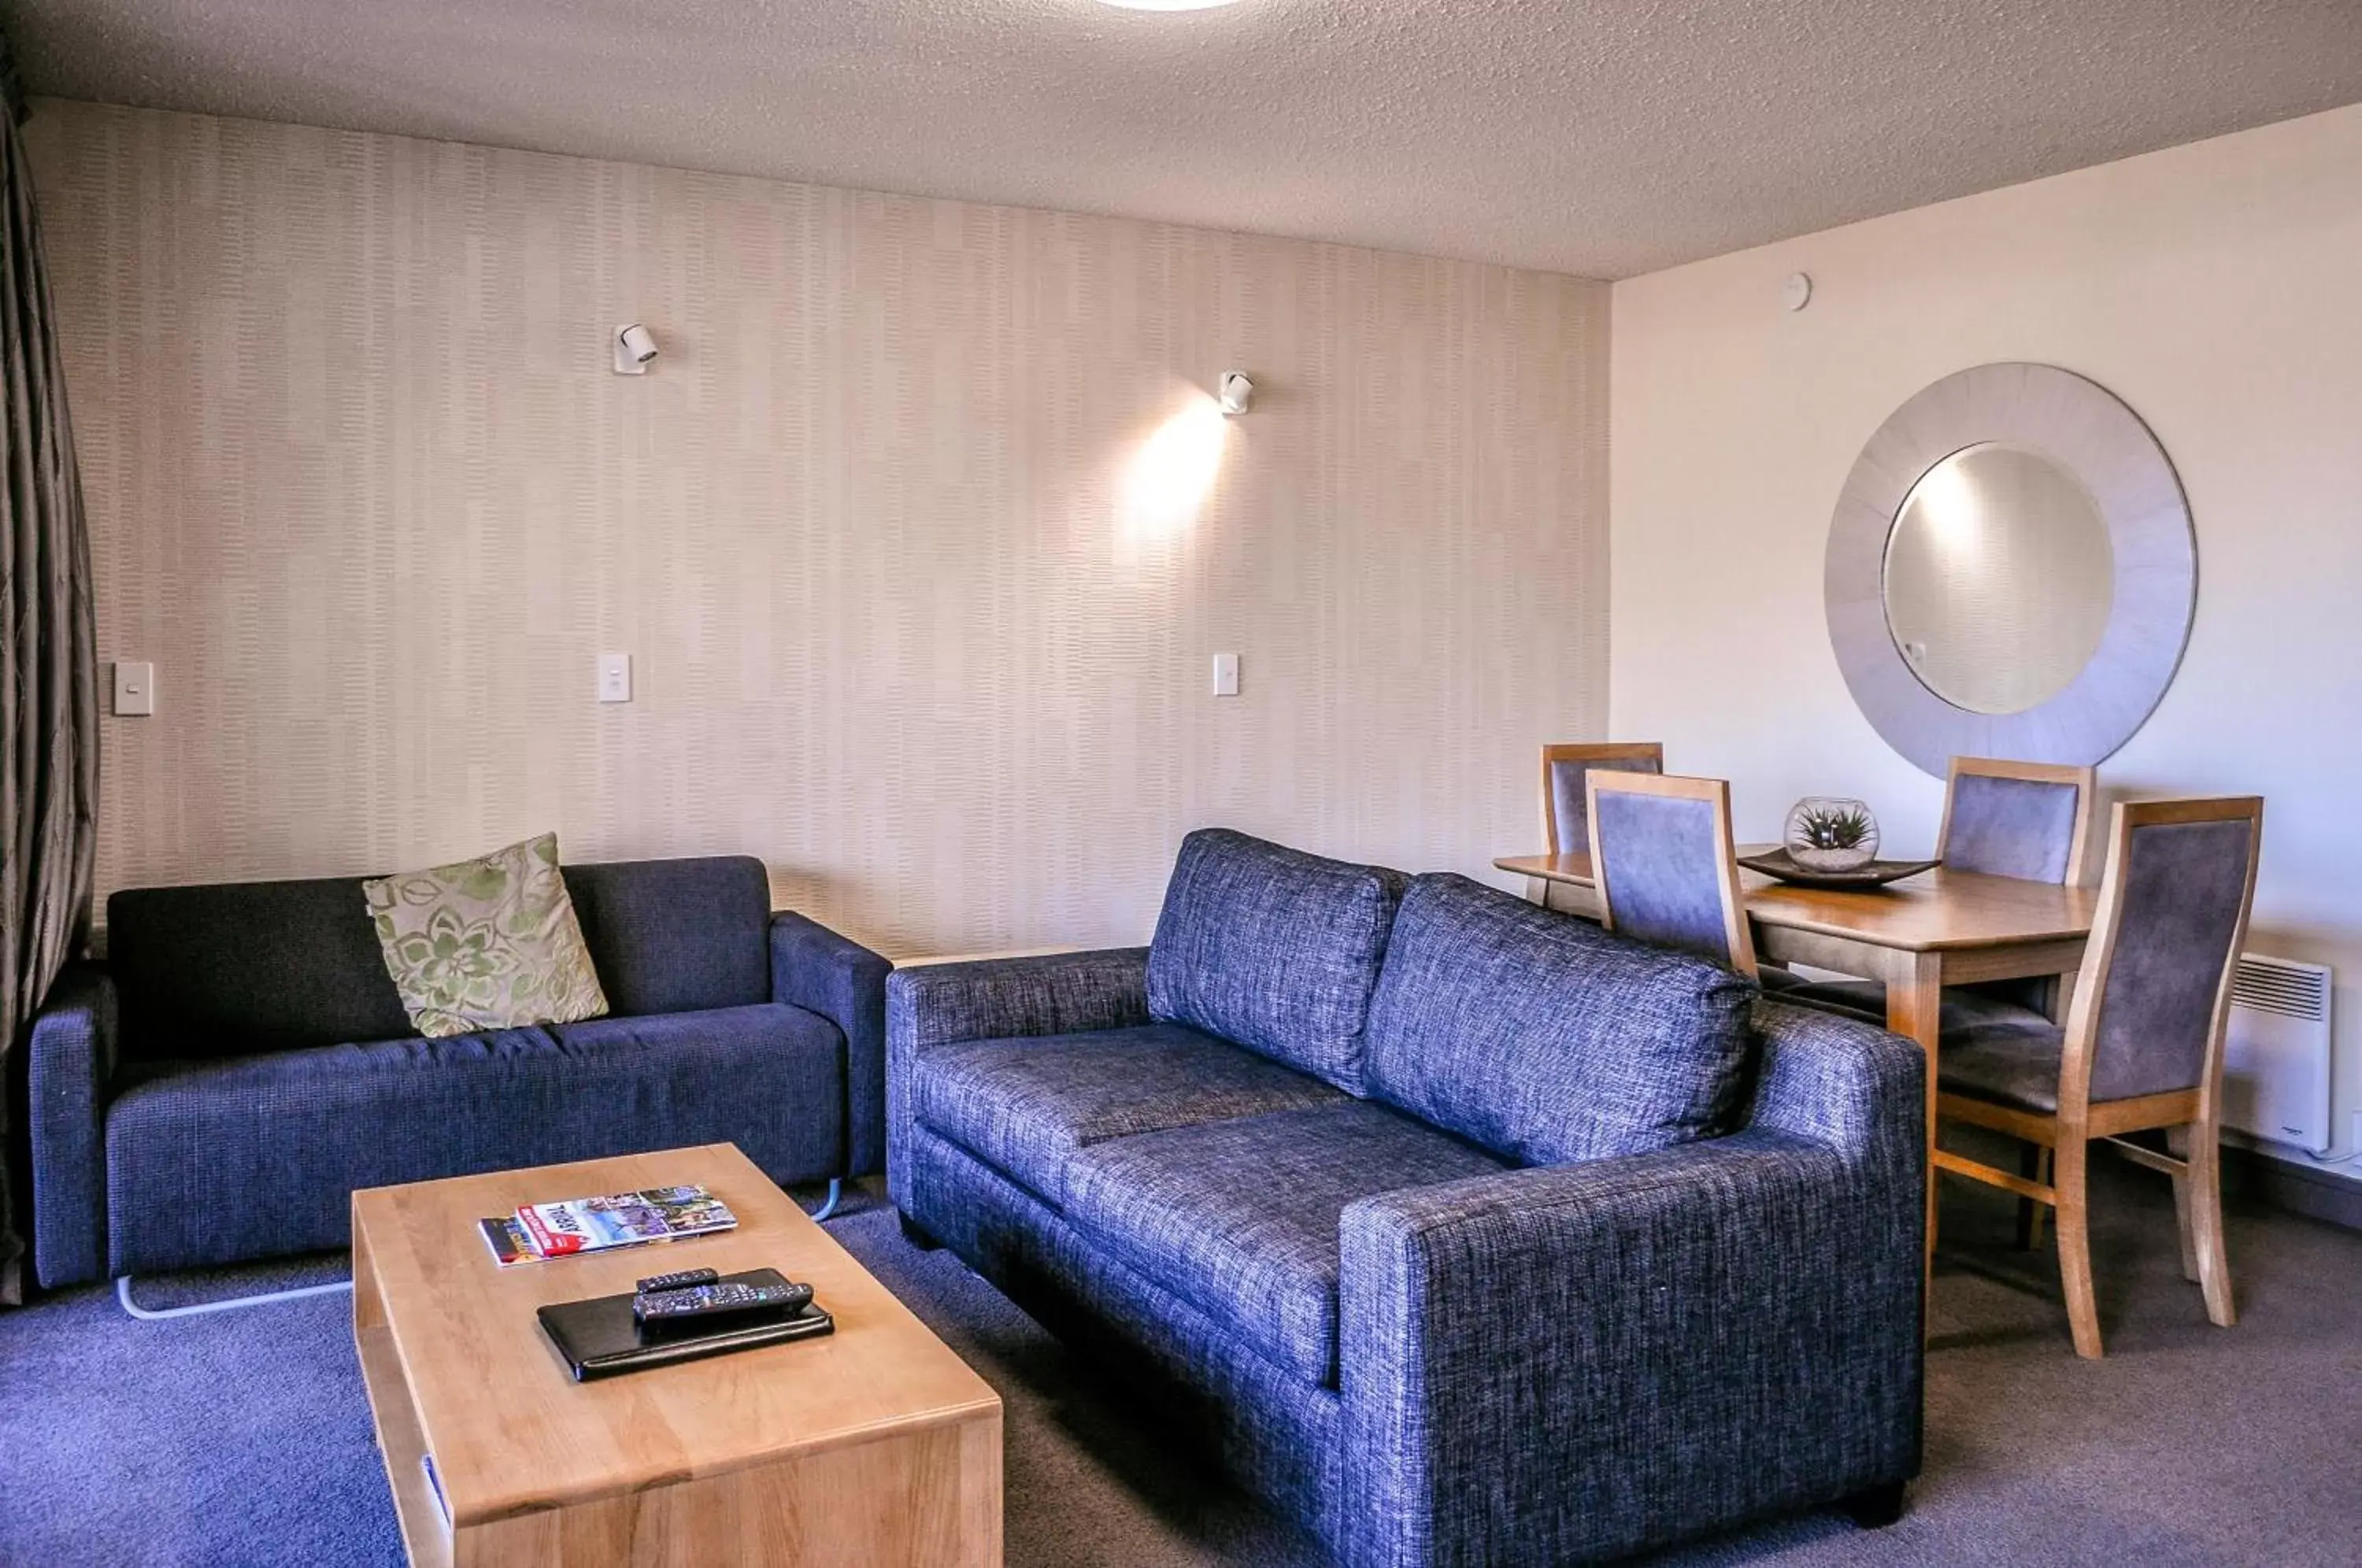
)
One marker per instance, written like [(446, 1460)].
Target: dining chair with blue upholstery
[(2027, 820), (2142, 1047), (1663, 863), (2002, 818), (1566, 804)]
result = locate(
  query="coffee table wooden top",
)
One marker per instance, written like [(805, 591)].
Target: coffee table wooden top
[(509, 1428)]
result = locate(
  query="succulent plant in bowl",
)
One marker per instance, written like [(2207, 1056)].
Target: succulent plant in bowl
[(1827, 833)]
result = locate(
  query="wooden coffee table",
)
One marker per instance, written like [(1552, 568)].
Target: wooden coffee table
[(872, 1445)]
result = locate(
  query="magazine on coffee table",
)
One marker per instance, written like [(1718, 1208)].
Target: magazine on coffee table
[(575, 1226)]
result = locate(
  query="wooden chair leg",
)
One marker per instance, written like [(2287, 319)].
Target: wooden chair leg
[(2034, 1164), (2205, 1184), (2042, 1210), (2075, 1246), (2177, 1142)]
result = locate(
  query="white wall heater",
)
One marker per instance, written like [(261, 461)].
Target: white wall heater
[(2276, 1060)]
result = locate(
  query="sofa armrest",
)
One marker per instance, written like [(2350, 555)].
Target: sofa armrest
[(70, 1063), (1575, 1362), (1004, 999), (1838, 1081), (999, 999), (835, 977)]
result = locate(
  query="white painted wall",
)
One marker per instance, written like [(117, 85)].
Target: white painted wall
[(2217, 288)]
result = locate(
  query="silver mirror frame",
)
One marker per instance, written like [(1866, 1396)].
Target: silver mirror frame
[(2084, 429)]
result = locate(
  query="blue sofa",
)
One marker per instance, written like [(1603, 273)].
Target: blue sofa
[(1467, 1232), (216, 1090)]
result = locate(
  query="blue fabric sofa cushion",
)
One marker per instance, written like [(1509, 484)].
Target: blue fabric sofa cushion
[(1279, 1434), (1272, 948), (1547, 1040), (1026, 1105), (1239, 1218), (676, 936), (234, 968), (218, 1161)]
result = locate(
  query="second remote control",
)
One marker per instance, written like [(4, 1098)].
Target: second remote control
[(680, 1281), (702, 1303)]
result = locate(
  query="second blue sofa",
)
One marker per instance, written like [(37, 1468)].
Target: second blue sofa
[(1468, 1233), (218, 1087)]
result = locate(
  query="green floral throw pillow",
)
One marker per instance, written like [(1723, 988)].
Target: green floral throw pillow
[(489, 944)]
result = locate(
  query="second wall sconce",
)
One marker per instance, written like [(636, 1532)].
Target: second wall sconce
[(1235, 392), (635, 346)]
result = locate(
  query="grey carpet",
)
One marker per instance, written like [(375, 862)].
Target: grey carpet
[(244, 1438)]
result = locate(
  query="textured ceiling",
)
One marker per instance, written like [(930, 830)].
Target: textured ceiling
[(1602, 137)]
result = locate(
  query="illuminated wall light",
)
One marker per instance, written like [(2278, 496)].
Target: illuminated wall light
[(1174, 471)]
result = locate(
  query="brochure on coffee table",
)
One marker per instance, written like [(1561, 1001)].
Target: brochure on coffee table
[(539, 1231), (507, 1239)]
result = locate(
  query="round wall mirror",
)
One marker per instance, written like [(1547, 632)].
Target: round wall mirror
[(2011, 570), (1998, 579)]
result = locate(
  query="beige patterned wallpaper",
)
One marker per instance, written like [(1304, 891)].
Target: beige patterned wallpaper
[(904, 620)]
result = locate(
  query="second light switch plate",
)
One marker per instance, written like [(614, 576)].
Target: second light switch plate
[(135, 689), (614, 678), (1226, 675)]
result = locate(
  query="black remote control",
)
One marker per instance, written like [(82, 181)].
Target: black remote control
[(680, 1281), (700, 1304)]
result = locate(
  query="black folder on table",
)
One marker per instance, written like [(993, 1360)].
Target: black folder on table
[(600, 1338)]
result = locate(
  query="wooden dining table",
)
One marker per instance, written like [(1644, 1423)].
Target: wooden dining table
[(1940, 928)]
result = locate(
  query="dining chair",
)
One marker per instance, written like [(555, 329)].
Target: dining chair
[(1565, 766), (2142, 1047), (1663, 865), (2002, 818), (2027, 820)]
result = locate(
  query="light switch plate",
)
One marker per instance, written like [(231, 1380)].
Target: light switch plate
[(614, 678), (1226, 675), (135, 689)]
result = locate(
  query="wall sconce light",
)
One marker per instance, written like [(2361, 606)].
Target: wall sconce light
[(635, 346), (1235, 392)]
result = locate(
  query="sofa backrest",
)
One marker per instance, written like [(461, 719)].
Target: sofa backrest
[(1547, 1040), (241, 967), (675, 936), (1273, 949), (237, 967)]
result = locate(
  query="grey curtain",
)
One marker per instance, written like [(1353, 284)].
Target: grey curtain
[(48, 665)]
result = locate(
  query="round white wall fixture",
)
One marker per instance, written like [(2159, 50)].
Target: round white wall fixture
[(1796, 292)]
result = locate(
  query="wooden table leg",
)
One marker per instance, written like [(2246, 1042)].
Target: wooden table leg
[(1915, 1008)]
